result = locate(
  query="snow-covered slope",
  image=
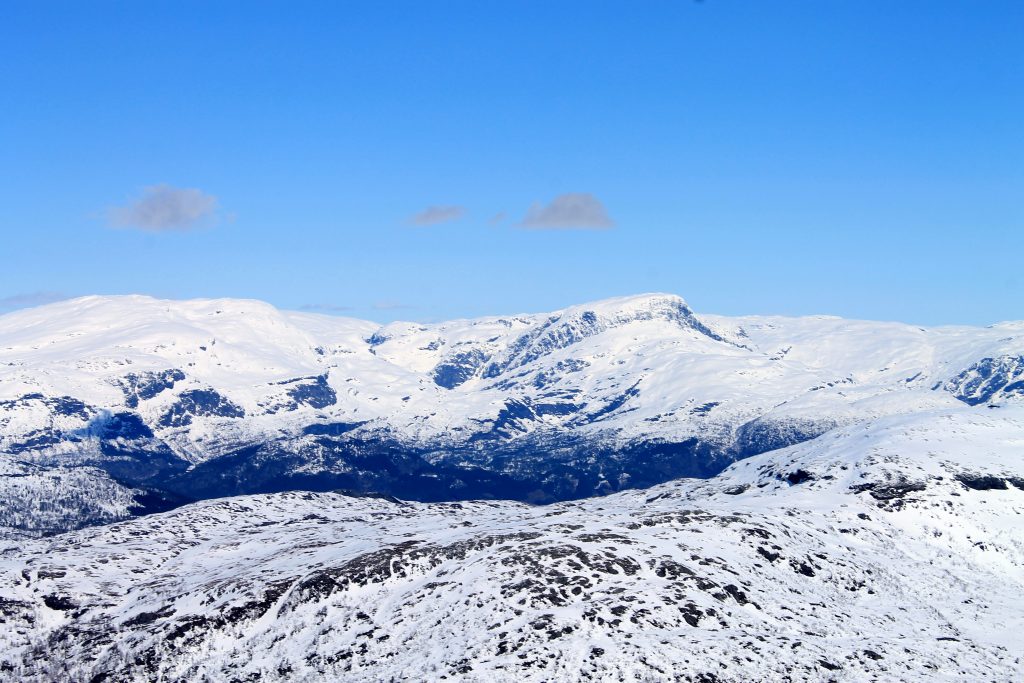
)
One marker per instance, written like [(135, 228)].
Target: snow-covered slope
[(888, 550), (46, 500), (198, 399)]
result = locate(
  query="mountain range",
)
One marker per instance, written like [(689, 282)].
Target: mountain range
[(112, 407), (627, 490)]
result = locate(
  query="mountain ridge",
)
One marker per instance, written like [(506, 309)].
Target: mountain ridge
[(211, 397)]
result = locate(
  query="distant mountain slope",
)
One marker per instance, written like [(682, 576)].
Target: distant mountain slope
[(44, 500), (198, 399), (888, 550)]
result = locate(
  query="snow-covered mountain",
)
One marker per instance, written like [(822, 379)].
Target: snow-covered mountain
[(887, 550), (170, 401)]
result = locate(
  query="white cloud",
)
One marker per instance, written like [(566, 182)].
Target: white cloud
[(433, 215), (164, 208), (580, 210)]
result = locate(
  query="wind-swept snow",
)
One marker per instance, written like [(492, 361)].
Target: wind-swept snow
[(884, 551)]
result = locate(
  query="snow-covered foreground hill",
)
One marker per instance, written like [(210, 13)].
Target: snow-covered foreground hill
[(171, 401), (887, 550)]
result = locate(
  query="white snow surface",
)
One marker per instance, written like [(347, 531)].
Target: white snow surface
[(45, 500), (683, 374), (887, 550)]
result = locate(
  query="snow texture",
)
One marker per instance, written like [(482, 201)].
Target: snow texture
[(199, 399), (857, 515), (890, 550)]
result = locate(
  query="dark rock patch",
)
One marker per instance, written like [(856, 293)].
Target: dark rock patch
[(199, 403), (980, 482)]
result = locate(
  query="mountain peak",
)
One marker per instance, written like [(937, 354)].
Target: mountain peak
[(651, 301)]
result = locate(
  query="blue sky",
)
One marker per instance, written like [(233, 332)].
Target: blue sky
[(863, 158)]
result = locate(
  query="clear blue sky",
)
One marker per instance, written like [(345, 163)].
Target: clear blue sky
[(863, 158)]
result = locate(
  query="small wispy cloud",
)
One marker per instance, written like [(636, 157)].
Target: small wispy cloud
[(29, 300), (325, 308), (165, 208), (573, 210), (497, 218), (433, 215)]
